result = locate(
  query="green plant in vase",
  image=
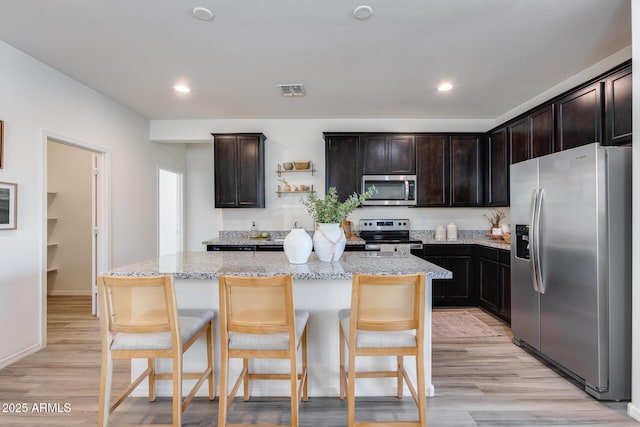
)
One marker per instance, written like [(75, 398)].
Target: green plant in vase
[(329, 239)]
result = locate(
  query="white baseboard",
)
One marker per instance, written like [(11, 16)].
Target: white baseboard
[(633, 411), (19, 355), (69, 293)]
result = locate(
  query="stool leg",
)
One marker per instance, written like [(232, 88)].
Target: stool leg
[(177, 390), (422, 398), (400, 377), (222, 392), (305, 388), (245, 364), (351, 387), (105, 389), (342, 371), (293, 367), (151, 363), (210, 340)]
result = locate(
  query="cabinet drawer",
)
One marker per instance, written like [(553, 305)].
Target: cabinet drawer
[(489, 253), (447, 250), (505, 257)]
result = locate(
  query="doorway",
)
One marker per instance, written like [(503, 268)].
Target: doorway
[(75, 232), (169, 212)]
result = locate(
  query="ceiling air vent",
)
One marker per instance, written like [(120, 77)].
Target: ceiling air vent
[(292, 90)]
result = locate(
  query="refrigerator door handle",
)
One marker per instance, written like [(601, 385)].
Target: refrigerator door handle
[(532, 241), (541, 287)]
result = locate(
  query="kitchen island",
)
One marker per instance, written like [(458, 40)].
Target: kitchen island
[(320, 288)]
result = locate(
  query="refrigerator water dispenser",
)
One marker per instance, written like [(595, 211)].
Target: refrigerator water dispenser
[(522, 241)]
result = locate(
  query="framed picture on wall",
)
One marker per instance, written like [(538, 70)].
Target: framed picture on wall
[(8, 206), (1, 143)]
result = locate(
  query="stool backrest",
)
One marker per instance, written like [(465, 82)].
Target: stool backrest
[(138, 304), (257, 305), (388, 303)]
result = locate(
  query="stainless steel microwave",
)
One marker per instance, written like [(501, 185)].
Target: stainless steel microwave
[(392, 190)]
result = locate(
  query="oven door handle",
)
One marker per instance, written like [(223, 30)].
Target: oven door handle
[(371, 247)]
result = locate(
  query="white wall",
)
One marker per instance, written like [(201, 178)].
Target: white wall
[(69, 175), (37, 99), (289, 140), (634, 406)]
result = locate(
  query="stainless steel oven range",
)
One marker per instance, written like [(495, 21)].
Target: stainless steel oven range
[(388, 235)]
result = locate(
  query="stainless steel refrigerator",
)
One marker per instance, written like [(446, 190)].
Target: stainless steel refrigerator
[(571, 264)]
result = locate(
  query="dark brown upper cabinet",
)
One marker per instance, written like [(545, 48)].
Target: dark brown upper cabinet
[(466, 170), (518, 134), (432, 157), (239, 170), (388, 155), (342, 164), (497, 193), (618, 90), (579, 117), (531, 136), (541, 125)]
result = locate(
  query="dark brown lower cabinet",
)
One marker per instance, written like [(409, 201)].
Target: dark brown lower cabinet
[(459, 291), (494, 281)]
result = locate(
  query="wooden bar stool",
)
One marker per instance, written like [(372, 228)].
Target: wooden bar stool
[(139, 319), (386, 319), (258, 321)]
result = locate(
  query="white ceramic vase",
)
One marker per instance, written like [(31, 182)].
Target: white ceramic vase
[(298, 246), (329, 242)]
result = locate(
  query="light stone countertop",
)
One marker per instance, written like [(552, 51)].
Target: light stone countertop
[(208, 265)]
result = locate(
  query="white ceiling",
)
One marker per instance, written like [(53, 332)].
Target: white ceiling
[(497, 53)]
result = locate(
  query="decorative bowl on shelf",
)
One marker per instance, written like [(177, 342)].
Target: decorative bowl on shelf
[(302, 165), (287, 166)]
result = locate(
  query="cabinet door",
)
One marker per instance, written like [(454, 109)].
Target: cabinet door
[(542, 141), (519, 146), (401, 155), (239, 170), (505, 292), (225, 169), (579, 116), (618, 108), (498, 169), (250, 172), (460, 288), (433, 170), (342, 164), (374, 155), (489, 275), (439, 286), (466, 170)]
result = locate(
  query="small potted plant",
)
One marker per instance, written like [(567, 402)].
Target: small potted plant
[(329, 239), (495, 219)]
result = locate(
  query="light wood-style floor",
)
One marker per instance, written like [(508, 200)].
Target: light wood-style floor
[(479, 382)]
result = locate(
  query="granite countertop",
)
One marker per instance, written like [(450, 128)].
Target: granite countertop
[(208, 265)]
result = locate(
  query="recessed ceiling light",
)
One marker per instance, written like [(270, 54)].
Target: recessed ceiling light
[(182, 88), (362, 12), (203, 13), (445, 87)]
